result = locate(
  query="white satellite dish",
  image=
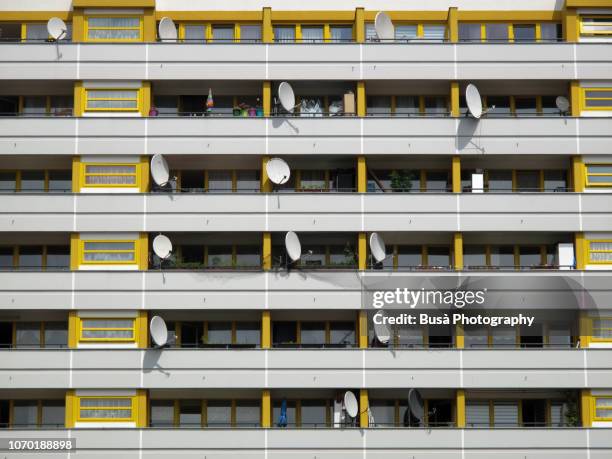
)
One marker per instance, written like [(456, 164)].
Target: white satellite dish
[(416, 404), (286, 96), (160, 171), (377, 247), (162, 246), (562, 104), (167, 30), (56, 28), (278, 171), (473, 100), (382, 332), (293, 246), (159, 331), (384, 26), (350, 404)]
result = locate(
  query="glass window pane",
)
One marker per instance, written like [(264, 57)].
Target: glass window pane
[(109, 245), (498, 105), (379, 105), (410, 336), (284, 34), (6, 257), (248, 333), (61, 105), (477, 414), (162, 413), (406, 105), (314, 413), (248, 256), (195, 33), (409, 256), (438, 256), (434, 32), (220, 333), (8, 181), (436, 105), (500, 181), (37, 32), (505, 414), (290, 414), (469, 32), (405, 32), (312, 333), (30, 257), (437, 181), (32, 181), (166, 105), (219, 181), (222, 33), (383, 412), (476, 337), (370, 32), (474, 256), (549, 106), (530, 256), (558, 412), (56, 334), (218, 413), (312, 34), (528, 180), (53, 414), (503, 337), (247, 181), (525, 106), (502, 256), (342, 333), (551, 32), (34, 105), (312, 180), (60, 181), (219, 256), (247, 413), (190, 413), (341, 34), (27, 334), (524, 32), (496, 32), (555, 180), (25, 414), (250, 33)]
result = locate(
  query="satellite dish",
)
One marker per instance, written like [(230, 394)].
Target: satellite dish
[(293, 246), (382, 332), (416, 404), (562, 104), (159, 331), (377, 247), (384, 27), (162, 246), (473, 100), (160, 170), (56, 28), (278, 171), (167, 30), (350, 404), (286, 96)]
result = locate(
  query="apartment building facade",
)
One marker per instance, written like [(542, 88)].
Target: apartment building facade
[(261, 350)]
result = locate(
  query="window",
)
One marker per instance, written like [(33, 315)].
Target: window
[(11, 32), (32, 181), (341, 34), (503, 32), (597, 98), (36, 32), (52, 414), (8, 181), (190, 413), (551, 32), (59, 181), (313, 413), (469, 32), (602, 408), (405, 32), (411, 32), (123, 100), (110, 175), (601, 329), (247, 413), (477, 414), (284, 34), (600, 252), (108, 252), (250, 33), (383, 412), (27, 334), (434, 32), (220, 181), (194, 33), (248, 334), (496, 32), (599, 175), (162, 413), (312, 34), (55, 334), (117, 330), (505, 414), (34, 105), (223, 33), (105, 409), (25, 414), (113, 28), (219, 333), (596, 25), (30, 257), (524, 32), (219, 413), (247, 181)]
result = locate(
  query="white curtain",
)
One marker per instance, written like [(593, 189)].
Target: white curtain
[(405, 32), (122, 28), (312, 34), (477, 414), (284, 34)]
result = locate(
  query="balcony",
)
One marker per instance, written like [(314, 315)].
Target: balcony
[(330, 61), (257, 212), (552, 368), (304, 136)]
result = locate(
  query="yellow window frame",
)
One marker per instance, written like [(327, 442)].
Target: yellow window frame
[(82, 253), (597, 174), (85, 174), (138, 100), (140, 28), (131, 409), (208, 29), (511, 24), (589, 251), (584, 98), (598, 16), (133, 328), (597, 339), (594, 399)]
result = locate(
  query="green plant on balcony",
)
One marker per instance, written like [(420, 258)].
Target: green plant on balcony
[(401, 180)]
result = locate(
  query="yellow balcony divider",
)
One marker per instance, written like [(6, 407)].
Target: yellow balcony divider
[(266, 409), (144, 174), (459, 337), (267, 252), (266, 330), (266, 184), (456, 169), (585, 408), (362, 323), (575, 98), (74, 251), (76, 174), (584, 329), (142, 329), (578, 174), (453, 24), (460, 400), (142, 409), (361, 99), (78, 25), (362, 251), (458, 250), (267, 31), (362, 175), (454, 99), (267, 98), (143, 251), (79, 100), (571, 26), (70, 413), (580, 251), (149, 25), (363, 409), (73, 329), (359, 25), (145, 98)]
